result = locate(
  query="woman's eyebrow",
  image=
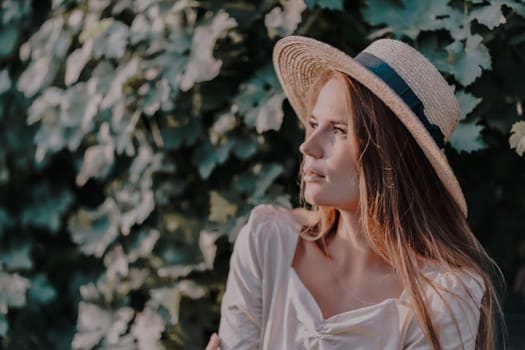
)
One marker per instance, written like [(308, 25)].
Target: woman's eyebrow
[(332, 121)]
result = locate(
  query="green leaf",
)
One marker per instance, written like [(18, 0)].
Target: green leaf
[(211, 156), (517, 137), (76, 62), (142, 6), (221, 209), (202, 66), (169, 298), (518, 8), (14, 10), (100, 82), (76, 20), (176, 223), (260, 101), (95, 230), (467, 137), (327, 4), (158, 97), (283, 20), (108, 38), (5, 81), (96, 325), (112, 42), (147, 329), (143, 244), (124, 123), (38, 75), (17, 257), (174, 65), (8, 38), (434, 52), (52, 38), (41, 291), (467, 102), (12, 290), (116, 263), (135, 199), (45, 105), (77, 113), (245, 146), (224, 122), (185, 132), (271, 116), (140, 29), (266, 175), (91, 327), (489, 15), (208, 247), (65, 118), (47, 208), (467, 60), (94, 6), (48, 49), (124, 71), (410, 18), (4, 325), (98, 160), (258, 179)]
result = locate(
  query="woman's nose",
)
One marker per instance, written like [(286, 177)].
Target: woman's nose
[(308, 148)]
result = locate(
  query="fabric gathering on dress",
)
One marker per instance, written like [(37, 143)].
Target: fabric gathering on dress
[(266, 305)]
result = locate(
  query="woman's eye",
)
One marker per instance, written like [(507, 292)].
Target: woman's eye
[(312, 125), (340, 131)]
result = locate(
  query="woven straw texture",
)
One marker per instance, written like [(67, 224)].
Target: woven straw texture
[(298, 60)]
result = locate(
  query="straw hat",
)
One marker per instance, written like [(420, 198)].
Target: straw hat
[(396, 73)]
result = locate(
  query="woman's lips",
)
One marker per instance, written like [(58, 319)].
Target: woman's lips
[(310, 175)]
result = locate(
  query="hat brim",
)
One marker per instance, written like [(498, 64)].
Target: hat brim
[(298, 61)]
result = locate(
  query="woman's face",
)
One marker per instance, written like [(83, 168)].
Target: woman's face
[(329, 168)]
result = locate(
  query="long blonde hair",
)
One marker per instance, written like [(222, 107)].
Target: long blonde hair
[(407, 214)]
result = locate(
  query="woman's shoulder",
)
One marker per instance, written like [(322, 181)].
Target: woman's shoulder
[(270, 214), (454, 295), (270, 218), (453, 277), (269, 222), (458, 287), (268, 238), (267, 213)]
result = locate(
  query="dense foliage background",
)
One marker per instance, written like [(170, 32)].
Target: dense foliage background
[(136, 135)]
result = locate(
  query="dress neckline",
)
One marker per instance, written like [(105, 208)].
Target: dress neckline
[(296, 226), (342, 314)]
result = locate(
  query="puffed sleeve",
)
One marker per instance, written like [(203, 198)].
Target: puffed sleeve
[(241, 305), (465, 309)]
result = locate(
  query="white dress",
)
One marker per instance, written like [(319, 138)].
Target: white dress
[(266, 306)]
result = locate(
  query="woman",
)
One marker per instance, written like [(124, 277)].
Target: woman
[(382, 256)]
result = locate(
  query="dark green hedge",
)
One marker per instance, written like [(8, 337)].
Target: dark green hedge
[(136, 135)]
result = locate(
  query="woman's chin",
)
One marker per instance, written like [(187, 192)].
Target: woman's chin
[(316, 200)]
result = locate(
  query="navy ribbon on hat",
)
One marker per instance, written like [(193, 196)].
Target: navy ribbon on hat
[(401, 88)]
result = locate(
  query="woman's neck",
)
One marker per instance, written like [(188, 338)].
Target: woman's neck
[(350, 248)]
